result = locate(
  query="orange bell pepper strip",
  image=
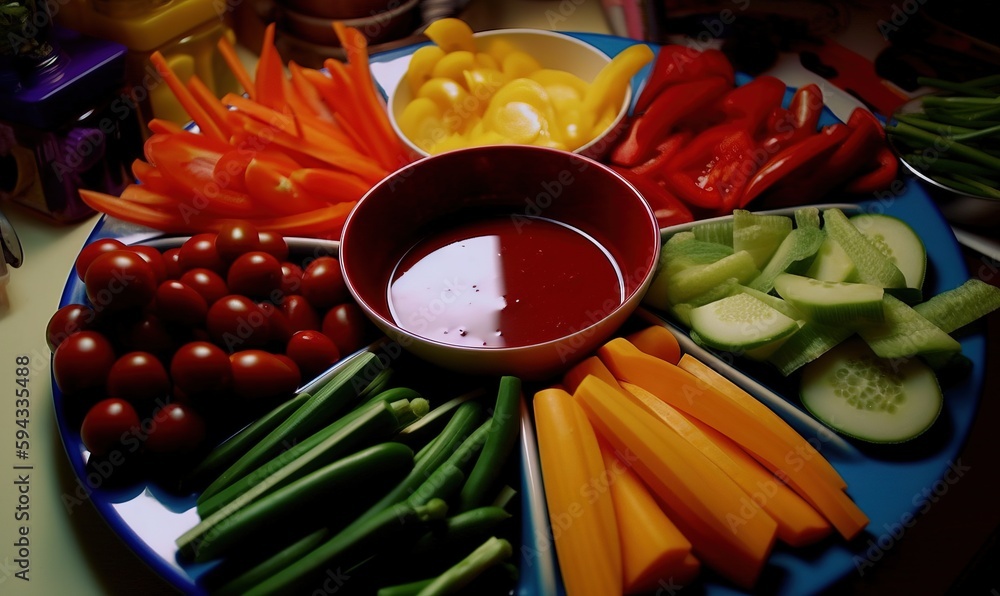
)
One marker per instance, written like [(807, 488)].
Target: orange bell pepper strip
[(273, 192), (137, 213), (194, 109), (270, 79), (331, 186), (236, 66)]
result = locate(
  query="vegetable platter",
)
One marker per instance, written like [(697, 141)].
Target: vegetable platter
[(887, 482)]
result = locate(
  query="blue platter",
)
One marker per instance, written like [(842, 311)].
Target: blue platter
[(891, 484)]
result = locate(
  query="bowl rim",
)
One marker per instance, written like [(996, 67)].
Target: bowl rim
[(635, 295), (404, 6), (486, 33)]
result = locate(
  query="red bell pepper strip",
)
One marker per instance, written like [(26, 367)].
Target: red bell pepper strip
[(701, 149), (665, 152), (791, 159), (799, 121), (273, 192), (879, 178), (677, 63), (749, 106), (668, 109), (668, 209)]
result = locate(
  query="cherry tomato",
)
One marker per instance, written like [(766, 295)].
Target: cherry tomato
[(82, 362), (120, 279), (206, 282), (171, 260), (273, 244), (312, 351), (178, 302), (199, 252), (347, 326), (236, 322), (261, 375), (147, 333), (236, 238), (155, 259), (68, 320), (280, 327), (139, 378), (323, 283), (175, 429), (106, 424), (200, 367), (301, 315), (256, 274), (93, 250), (291, 278)]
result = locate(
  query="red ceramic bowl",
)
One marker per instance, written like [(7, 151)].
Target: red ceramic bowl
[(445, 190)]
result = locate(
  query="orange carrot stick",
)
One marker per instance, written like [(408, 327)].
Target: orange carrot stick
[(213, 107), (270, 79), (161, 126), (187, 101), (657, 341), (136, 213), (236, 66), (261, 113)]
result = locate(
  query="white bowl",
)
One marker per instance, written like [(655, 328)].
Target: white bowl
[(552, 50)]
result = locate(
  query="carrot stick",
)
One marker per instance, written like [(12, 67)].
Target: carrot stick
[(584, 527), (187, 101), (261, 113), (236, 66), (798, 523), (135, 213), (326, 222), (653, 549), (307, 93), (591, 365), (758, 436), (158, 126), (657, 341), (702, 500), (270, 79), (213, 107), (329, 185)]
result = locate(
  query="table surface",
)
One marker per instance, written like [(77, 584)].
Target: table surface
[(951, 546)]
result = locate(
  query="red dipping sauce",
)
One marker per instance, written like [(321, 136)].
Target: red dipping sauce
[(504, 282)]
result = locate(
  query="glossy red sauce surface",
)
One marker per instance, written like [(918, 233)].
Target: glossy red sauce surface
[(503, 282)]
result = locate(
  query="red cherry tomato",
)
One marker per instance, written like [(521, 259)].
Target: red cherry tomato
[(347, 326), (82, 362), (199, 252), (273, 244), (172, 261), (200, 367), (291, 278), (139, 378), (256, 274), (106, 424), (148, 333), (175, 429), (301, 315), (261, 375), (323, 283), (93, 250), (281, 328), (178, 302), (119, 280), (236, 322), (68, 320), (155, 259), (312, 351), (206, 282), (236, 238)]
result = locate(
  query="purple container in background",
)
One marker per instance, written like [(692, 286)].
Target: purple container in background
[(57, 132)]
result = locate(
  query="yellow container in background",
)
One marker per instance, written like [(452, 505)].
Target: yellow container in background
[(186, 32)]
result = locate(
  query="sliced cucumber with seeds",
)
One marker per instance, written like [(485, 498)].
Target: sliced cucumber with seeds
[(807, 344), (873, 267), (860, 395), (831, 302), (901, 245), (794, 255), (759, 234), (739, 323)]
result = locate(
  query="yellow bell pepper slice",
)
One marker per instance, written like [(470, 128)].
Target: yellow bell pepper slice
[(451, 34), (453, 64), (526, 91), (485, 60), (518, 64), (499, 48), (449, 95), (421, 122), (609, 86), (518, 121), (550, 77), (483, 83), (421, 65)]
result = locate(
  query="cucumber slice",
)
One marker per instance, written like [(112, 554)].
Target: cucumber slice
[(806, 345), (832, 263), (682, 251), (807, 217), (739, 323), (899, 243), (830, 302), (694, 281), (905, 333), (873, 267), (953, 309), (718, 232), (774, 302), (682, 311), (860, 395), (758, 234), (794, 254)]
